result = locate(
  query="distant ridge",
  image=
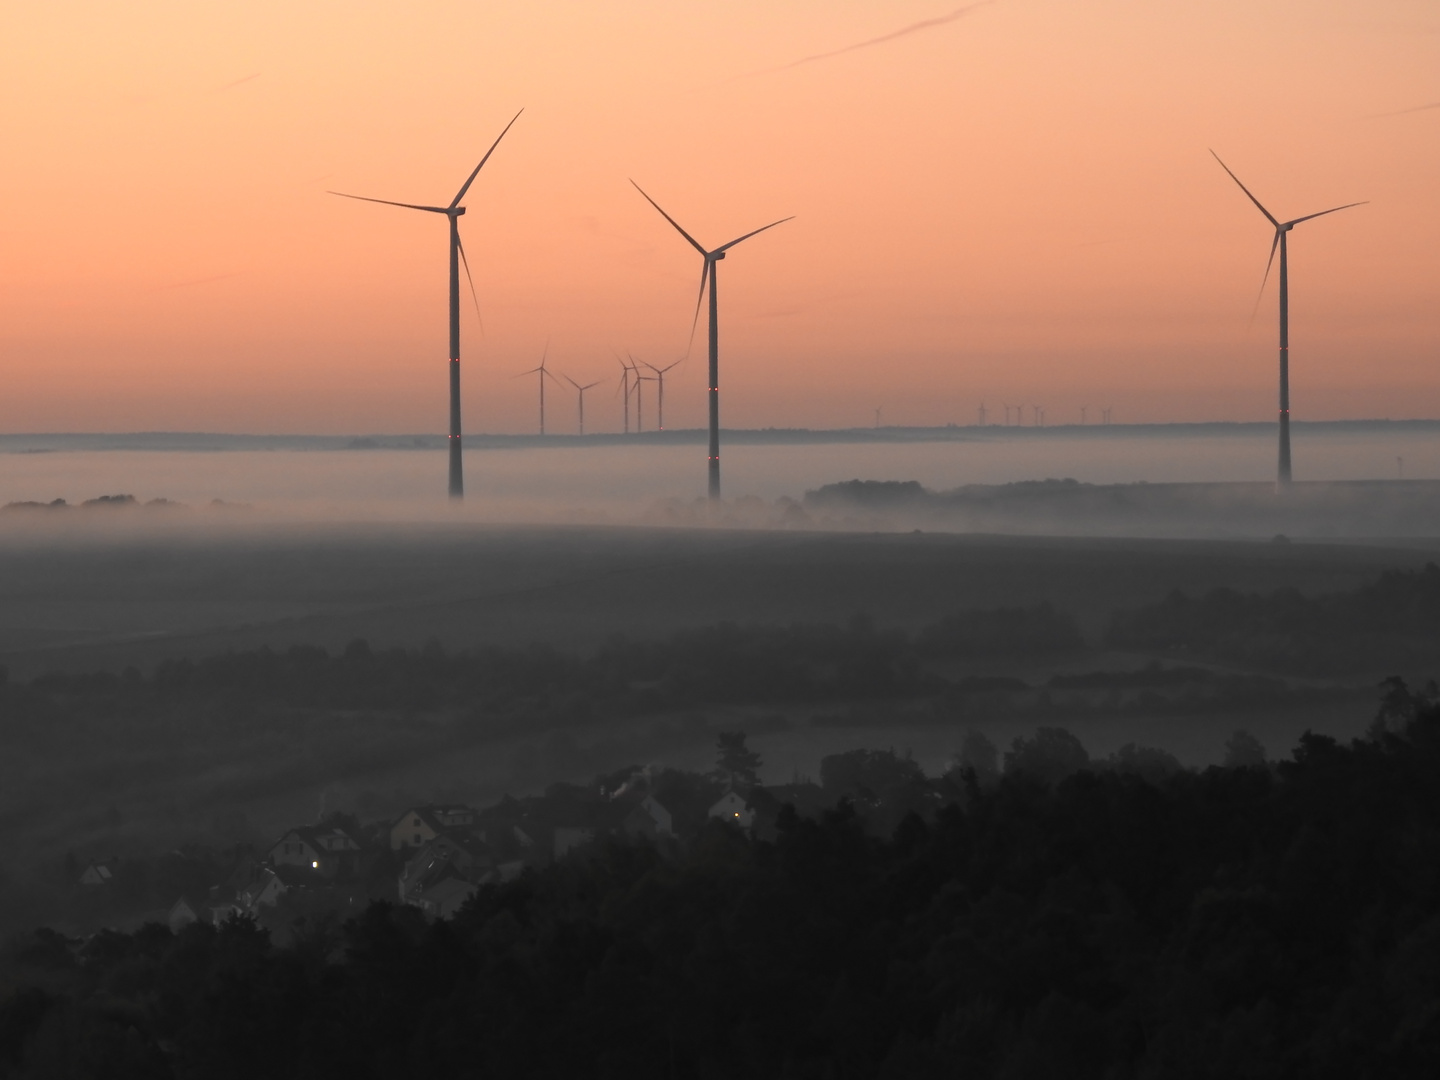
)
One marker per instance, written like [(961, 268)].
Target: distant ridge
[(197, 441)]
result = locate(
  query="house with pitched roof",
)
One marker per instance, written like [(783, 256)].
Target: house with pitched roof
[(648, 817), (734, 808), (441, 893), (421, 824), (264, 889), (324, 850), (96, 874), (445, 873)]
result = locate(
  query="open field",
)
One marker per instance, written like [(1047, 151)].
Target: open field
[(89, 602)]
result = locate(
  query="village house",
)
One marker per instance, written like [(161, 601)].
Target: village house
[(644, 816), (421, 824), (470, 858), (441, 892), (97, 873), (321, 849), (191, 909), (733, 807), (649, 818), (264, 889), (445, 873)]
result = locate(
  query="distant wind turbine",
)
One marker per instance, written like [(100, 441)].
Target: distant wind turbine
[(660, 388), (1282, 230), (624, 388), (640, 380), (544, 374), (581, 391), (712, 260), (982, 414), (457, 256)]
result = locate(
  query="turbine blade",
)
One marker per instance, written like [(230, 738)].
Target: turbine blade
[(1269, 216), (698, 301), (572, 382), (1268, 263), (466, 186), (1322, 213), (747, 236), (676, 364), (387, 202), (461, 244), (524, 373), (587, 386), (693, 242)]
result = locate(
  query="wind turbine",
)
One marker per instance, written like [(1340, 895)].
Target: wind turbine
[(983, 411), (544, 374), (660, 379), (712, 259), (581, 390), (457, 256), (638, 391), (640, 397), (1282, 229), (624, 389)]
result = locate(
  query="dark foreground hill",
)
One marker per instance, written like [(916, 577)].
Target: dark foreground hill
[(1236, 922)]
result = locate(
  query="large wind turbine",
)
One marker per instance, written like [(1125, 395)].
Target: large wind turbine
[(1282, 228), (457, 256), (712, 258)]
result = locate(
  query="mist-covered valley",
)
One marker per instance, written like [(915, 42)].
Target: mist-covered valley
[(191, 684), (180, 686)]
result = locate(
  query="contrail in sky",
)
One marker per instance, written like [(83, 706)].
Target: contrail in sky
[(199, 281), (913, 28), (1402, 112), (237, 82)]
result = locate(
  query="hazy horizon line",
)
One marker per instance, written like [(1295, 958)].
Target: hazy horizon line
[(682, 434)]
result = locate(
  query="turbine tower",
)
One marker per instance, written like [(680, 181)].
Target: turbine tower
[(457, 256), (712, 259), (581, 391), (1282, 229), (544, 374)]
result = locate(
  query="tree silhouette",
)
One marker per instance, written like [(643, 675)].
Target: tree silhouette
[(734, 761)]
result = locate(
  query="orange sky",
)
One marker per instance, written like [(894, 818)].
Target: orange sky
[(1015, 205)]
